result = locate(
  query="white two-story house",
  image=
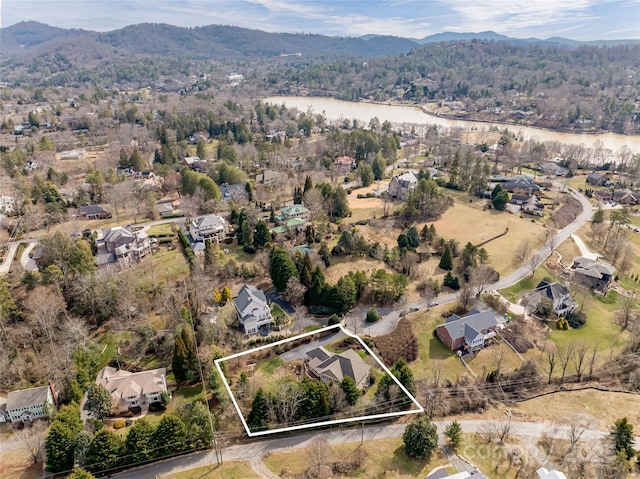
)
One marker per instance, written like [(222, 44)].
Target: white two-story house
[(252, 308), (25, 405)]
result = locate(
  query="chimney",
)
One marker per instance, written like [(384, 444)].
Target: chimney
[(53, 393)]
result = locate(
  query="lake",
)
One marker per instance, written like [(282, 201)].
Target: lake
[(338, 110)]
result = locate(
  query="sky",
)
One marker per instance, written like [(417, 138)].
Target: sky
[(575, 19)]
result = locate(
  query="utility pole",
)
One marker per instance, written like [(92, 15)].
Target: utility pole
[(204, 389)]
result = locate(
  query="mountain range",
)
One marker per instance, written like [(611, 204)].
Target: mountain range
[(224, 42)]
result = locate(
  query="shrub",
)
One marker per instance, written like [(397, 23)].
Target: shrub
[(372, 315), (249, 249), (119, 423)]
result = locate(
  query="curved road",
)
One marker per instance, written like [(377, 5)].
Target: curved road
[(257, 450), (389, 317)]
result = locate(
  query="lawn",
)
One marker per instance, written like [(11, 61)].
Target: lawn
[(158, 230), (15, 464), (491, 458), (433, 353), (383, 458), (164, 266), (228, 470), (513, 293), (486, 360), (268, 366)]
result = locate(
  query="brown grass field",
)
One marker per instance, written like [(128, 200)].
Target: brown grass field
[(15, 464), (385, 458), (228, 470)]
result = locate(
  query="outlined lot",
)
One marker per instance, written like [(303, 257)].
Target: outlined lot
[(416, 407)]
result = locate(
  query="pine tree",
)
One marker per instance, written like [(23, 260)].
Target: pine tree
[(262, 235), (324, 254), (98, 401), (307, 184), (420, 438), (257, 419), (350, 389), (139, 442), (413, 237), (281, 268), (170, 437), (209, 257), (622, 435), (180, 360), (453, 432), (446, 261), (104, 452)]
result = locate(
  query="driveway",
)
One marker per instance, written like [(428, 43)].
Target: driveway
[(27, 263), (584, 249), (9, 253), (301, 351)]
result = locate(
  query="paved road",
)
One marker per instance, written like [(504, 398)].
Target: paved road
[(258, 449), (301, 351), (389, 317)]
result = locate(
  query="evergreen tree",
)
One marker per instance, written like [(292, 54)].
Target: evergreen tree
[(98, 401), (139, 442), (297, 196), (83, 440), (80, 474), (209, 257), (200, 435), (307, 185), (500, 199), (248, 187), (403, 241), (420, 438), (453, 432), (622, 436), (378, 166), (246, 235), (366, 174), (281, 268), (346, 293), (257, 419), (170, 437), (179, 362), (61, 440), (136, 161), (225, 295), (413, 237), (350, 389), (262, 235), (372, 315), (446, 261), (272, 215), (324, 254), (104, 452)]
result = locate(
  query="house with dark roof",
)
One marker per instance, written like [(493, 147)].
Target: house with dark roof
[(401, 185), (93, 212), (330, 367), (25, 405), (522, 185), (253, 309), (591, 273), (130, 390), (563, 303), (122, 245), (470, 332), (598, 179), (624, 196), (529, 204)]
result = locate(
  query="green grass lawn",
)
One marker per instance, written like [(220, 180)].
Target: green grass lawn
[(163, 229), (270, 365), (513, 293), (276, 311)]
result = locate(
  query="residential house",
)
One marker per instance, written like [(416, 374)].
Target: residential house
[(129, 390), (592, 273), (190, 160), (401, 185), (521, 185), (25, 405), (346, 163), (598, 179), (212, 227), (236, 192), (563, 303), (293, 212), (623, 196), (529, 204), (253, 309), (544, 473), (168, 208), (269, 177), (553, 169), (330, 367), (93, 212), (121, 244), (470, 332)]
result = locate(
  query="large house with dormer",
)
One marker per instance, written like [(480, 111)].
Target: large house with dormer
[(593, 274), (469, 333), (330, 367), (25, 405), (560, 296), (124, 246), (401, 185), (129, 390), (212, 227), (253, 309)]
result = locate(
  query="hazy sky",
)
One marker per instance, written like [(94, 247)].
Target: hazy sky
[(576, 19)]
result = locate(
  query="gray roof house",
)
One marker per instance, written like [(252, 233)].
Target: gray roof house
[(28, 404), (592, 273), (469, 332), (209, 227), (330, 367), (121, 244), (563, 303), (129, 389), (93, 212), (253, 309), (401, 185), (521, 185)]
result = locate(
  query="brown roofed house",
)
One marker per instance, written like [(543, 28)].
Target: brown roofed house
[(330, 367)]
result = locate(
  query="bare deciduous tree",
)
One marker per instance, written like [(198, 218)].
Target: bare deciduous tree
[(294, 292), (578, 425), (626, 310), (550, 365), (578, 357), (481, 276), (318, 452), (522, 253), (31, 439), (564, 358)]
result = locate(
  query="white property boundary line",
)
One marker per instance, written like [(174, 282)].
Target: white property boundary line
[(322, 423)]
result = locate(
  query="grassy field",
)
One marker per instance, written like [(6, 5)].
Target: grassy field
[(163, 229), (491, 459), (385, 458), (165, 265), (228, 470), (486, 360), (15, 464), (268, 366)]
